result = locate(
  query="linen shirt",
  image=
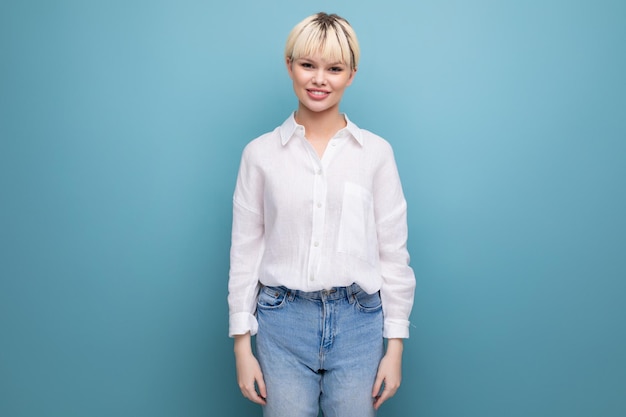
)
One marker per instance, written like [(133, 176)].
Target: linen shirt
[(311, 223)]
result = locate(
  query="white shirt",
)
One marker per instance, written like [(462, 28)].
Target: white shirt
[(311, 224)]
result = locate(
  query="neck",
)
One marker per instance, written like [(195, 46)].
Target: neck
[(320, 124)]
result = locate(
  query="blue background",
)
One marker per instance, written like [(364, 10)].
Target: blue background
[(122, 124)]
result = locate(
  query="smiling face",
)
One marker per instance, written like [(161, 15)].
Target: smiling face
[(318, 83), (322, 54)]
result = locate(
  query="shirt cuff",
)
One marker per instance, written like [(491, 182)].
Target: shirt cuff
[(396, 329), (242, 323)]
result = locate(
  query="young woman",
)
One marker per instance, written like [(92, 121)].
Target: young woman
[(319, 266)]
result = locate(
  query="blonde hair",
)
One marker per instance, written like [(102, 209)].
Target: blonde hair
[(327, 34)]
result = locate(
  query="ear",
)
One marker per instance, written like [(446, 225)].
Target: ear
[(289, 65), (352, 74)]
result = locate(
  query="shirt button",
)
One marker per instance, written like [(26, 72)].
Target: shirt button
[(316, 244), (319, 205), (312, 278), (318, 171)]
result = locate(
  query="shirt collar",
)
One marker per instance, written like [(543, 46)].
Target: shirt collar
[(290, 128)]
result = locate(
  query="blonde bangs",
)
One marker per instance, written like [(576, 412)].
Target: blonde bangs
[(335, 43)]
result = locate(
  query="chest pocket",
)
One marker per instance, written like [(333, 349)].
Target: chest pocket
[(357, 227)]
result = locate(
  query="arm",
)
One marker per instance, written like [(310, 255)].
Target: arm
[(398, 286), (247, 245), (398, 280), (245, 254)]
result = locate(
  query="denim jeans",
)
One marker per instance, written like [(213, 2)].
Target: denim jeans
[(319, 350)]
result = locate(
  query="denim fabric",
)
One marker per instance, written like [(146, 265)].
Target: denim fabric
[(319, 350)]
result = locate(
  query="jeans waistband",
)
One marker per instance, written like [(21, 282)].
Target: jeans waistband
[(335, 293)]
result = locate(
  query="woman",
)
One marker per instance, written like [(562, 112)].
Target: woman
[(319, 265)]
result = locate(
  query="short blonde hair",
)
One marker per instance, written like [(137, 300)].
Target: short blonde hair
[(327, 34)]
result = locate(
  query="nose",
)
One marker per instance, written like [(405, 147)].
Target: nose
[(319, 78)]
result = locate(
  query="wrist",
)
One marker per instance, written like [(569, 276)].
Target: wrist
[(395, 346), (242, 345)]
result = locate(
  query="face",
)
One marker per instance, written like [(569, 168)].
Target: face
[(319, 84)]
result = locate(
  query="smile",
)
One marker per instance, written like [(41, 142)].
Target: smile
[(317, 94)]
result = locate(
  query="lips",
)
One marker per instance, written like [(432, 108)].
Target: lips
[(316, 94)]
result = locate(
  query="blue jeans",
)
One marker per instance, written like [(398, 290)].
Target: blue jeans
[(319, 350)]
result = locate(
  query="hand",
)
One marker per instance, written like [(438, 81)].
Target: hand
[(249, 375), (389, 373)]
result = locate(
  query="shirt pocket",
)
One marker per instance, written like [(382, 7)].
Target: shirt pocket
[(357, 227)]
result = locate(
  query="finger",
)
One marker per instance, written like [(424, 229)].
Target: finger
[(388, 392), (249, 391), (261, 386), (251, 394), (384, 396), (377, 386), (259, 400)]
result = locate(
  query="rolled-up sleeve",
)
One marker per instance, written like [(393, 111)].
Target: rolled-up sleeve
[(246, 248), (398, 280)]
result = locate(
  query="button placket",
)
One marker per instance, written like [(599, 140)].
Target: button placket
[(317, 230)]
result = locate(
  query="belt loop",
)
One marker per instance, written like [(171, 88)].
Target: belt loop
[(351, 291), (291, 294)]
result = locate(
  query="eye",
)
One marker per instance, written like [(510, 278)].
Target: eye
[(336, 69), (306, 65)]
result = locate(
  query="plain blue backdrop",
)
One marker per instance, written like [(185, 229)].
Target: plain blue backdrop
[(121, 127)]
